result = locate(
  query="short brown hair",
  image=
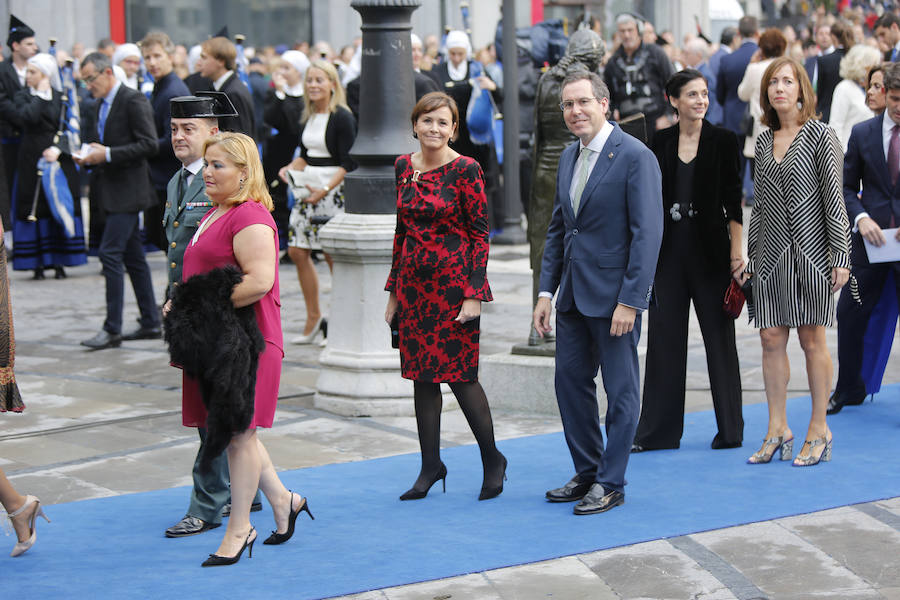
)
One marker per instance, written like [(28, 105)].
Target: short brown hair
[(433, 101), (891, 76), (221, 48), (807, 96), (772, 43), (158, 38)]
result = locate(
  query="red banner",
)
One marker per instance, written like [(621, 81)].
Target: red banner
[(117, 21)]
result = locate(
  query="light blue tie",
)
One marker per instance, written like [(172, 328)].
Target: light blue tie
[(101, 122), (583, 172)]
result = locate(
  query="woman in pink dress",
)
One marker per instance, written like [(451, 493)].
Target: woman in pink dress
[(240, 231)]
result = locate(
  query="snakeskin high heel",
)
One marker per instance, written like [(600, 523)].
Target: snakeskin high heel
[(22, 547), (764, 455), (810, 459)]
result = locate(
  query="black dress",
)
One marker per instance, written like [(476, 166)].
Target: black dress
[(43, 243)]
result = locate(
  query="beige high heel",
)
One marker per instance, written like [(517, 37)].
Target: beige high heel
[(22, 547)]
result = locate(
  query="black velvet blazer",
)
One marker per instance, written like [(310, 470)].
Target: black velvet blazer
[(340, 133), (717, 187)]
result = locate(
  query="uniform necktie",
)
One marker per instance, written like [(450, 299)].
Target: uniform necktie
[(182, 184), (101, 121), (893, 157), (583, 171)]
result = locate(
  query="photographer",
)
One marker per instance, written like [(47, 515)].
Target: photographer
[(636, 75)]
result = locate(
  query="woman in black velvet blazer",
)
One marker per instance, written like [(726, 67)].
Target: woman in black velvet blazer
[(701, 251)]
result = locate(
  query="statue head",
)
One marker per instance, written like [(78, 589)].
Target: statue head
[(587, 47)]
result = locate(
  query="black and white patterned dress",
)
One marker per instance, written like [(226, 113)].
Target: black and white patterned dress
[(798, 229)]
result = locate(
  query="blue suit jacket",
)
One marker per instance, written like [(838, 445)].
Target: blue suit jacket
[(714, 112), (865, 164), (606, 254), (731, 72), (164, 164)]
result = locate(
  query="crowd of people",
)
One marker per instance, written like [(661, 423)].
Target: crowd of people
[(644, 157)]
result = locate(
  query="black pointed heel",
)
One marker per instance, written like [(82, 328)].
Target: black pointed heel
[(416, 494), (215, 560), (280, 538), (492, 492)]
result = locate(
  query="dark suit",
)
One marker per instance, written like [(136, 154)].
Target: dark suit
[(828, 67), (240, 96), (865, 167), (810, 65), (731, 71), (10, 134), (603, 256), (693, 267), (196, 82), (164, 164), (122, 188), (282, 115)]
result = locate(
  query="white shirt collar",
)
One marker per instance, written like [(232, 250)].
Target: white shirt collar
[(20, 73), (195, 166), (218, 83), (43, 94), (112, 93), (599, 140)]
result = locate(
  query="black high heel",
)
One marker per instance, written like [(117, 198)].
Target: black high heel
[(493, 492), (280, 538), (215, 560), (60, 272), (414, 494)]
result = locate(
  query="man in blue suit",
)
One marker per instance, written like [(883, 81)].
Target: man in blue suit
[(731, 71), (601, 251), (872, 163)]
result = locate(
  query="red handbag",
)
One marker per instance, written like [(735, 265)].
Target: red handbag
[(734, 300)]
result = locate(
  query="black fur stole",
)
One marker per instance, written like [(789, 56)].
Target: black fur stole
[(219, 346)]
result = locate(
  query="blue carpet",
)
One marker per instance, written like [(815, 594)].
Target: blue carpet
[(364, 538)]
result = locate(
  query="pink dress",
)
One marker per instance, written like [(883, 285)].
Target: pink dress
[(214, 249)]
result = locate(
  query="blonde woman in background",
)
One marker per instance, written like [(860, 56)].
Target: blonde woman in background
[(327, 131), (848, 104)]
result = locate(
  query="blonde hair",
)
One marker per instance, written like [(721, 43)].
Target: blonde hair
[(857, 62), (242, 151), (337, 91)]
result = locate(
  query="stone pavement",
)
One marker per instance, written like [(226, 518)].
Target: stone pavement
[(108, 422)]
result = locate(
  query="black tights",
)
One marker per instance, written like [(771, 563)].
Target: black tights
[(473, 402)]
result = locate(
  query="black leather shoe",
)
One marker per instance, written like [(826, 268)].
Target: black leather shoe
[(189, 526), (102, 340), (839, 400), (226, 510), (143, 333), (572, 491), (719, 444), (598, 500)]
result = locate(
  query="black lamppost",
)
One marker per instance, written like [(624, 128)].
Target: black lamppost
[(387, 98), (360, 372)]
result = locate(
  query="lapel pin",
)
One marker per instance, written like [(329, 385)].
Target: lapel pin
[(611, 155)]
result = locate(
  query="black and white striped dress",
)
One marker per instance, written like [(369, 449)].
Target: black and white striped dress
[(798, 229)]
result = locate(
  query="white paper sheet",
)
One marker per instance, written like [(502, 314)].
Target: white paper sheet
[(889, 252)]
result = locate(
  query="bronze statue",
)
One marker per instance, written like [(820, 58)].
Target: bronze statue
[(585, 51)]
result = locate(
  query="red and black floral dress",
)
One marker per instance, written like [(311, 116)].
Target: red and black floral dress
[(440, 259)]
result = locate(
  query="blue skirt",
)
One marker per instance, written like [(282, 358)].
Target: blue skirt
[(44, 244)]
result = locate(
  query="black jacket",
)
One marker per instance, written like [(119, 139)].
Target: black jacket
[(240, 96), (10, 125), (164, 164), (423, 84), (123, 185), (219, 346), (717, 187), (829, 76), (340, 133)]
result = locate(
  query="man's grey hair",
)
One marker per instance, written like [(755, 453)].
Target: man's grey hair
[(100, 61), (597, 85), (698, 47), (629, 18)]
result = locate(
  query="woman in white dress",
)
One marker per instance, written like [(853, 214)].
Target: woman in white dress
[(848, 104), (327, 132)]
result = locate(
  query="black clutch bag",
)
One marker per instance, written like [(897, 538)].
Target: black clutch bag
[(395, 331)]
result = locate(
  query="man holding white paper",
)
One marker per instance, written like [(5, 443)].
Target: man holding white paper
[(872, 164)]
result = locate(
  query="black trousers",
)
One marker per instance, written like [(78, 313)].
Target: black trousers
[(153, 228), (853, 319), (682, 277)]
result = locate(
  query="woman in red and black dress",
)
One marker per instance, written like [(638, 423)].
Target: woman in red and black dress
[(437, 284)]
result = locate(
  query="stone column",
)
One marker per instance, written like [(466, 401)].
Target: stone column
[(360, 371)]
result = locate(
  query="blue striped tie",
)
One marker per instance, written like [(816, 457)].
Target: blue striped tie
[(101, 121)]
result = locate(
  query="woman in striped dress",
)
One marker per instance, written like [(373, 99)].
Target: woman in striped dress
[(799, 252)]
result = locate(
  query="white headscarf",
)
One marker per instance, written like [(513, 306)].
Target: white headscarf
[(47, 65), (458, 39), (298, 60), (193, 57), (415, 39), (124, 51)]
